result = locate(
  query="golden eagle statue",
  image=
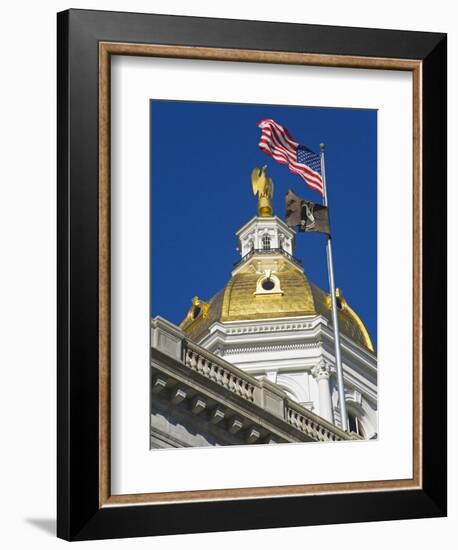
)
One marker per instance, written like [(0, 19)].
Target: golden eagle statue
[(263, 186)]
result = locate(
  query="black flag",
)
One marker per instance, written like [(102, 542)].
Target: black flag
[(308, 216)]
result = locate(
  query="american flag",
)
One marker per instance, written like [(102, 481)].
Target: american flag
[(277, 142)]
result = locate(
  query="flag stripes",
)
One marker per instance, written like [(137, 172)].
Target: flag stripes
[(278, 143)]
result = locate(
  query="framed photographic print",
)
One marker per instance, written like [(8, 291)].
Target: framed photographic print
[(252, 308)]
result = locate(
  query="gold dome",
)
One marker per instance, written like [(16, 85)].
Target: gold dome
[(243, 299)]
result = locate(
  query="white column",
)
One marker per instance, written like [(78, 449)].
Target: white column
[(322, 373)]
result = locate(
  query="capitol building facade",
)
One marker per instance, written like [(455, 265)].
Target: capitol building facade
[(255, 363)]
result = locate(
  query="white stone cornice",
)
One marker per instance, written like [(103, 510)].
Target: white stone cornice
[(272, 347), (283, 327), (272, 332), (266, 325), (351, 347), (314, 325)]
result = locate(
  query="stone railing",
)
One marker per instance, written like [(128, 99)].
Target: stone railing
[(267, 251), (315, 427), (220, 372), (172, 341)]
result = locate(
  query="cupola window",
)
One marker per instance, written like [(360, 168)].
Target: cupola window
[(268, 284), (266, 242)]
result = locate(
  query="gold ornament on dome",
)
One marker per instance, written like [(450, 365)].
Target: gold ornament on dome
[(197, 311), (263, 186), (349, 315)]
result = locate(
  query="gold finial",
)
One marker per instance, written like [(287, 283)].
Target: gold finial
[(199, 309), (263, 186), (342, 304)]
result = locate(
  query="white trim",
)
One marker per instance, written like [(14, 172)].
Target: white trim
[(134, 81)]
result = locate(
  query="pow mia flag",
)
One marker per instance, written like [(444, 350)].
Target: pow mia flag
[(306, 215)]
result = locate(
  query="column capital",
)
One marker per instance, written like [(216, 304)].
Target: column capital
[(322, 370)]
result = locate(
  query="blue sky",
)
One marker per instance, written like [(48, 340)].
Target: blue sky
[(202, 155)]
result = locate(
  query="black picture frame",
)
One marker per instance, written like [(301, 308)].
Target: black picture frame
[(80, 516)]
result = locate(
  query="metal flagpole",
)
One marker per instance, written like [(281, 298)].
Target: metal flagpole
[(335, 317)]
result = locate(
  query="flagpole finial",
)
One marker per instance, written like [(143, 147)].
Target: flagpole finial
[(321, 147)]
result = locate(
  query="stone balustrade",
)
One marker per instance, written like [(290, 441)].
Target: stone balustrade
[(259, 394), (226, 375), (315, 427)]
